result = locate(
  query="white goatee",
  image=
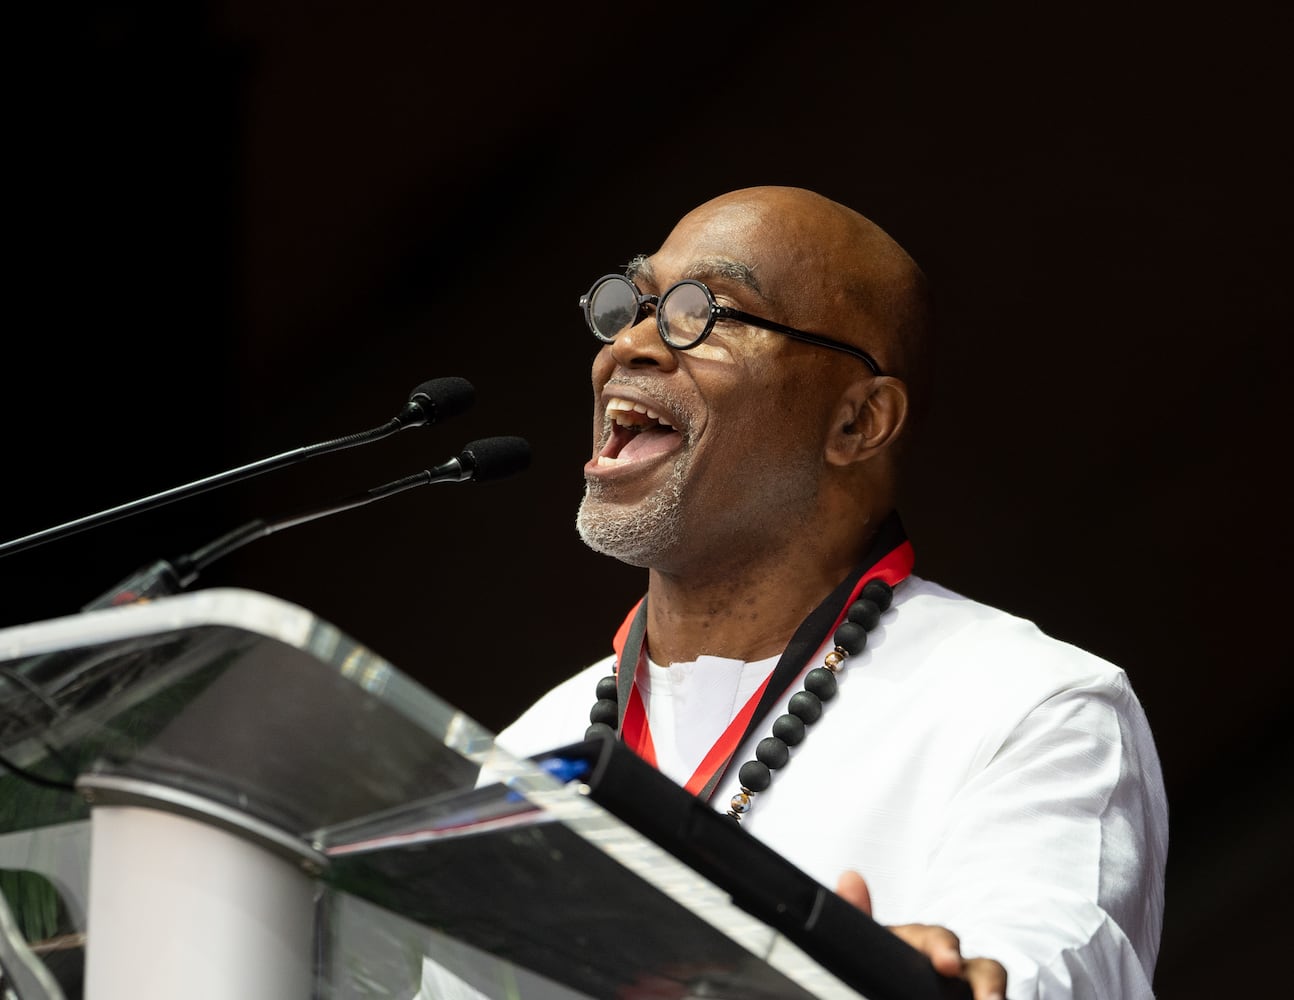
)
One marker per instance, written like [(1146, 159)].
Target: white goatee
[(635, 534)]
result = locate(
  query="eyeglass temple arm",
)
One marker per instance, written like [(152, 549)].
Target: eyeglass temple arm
[(808, 338)]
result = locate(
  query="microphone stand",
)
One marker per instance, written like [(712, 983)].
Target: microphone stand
[(199, 486), (166, 577), (486, 459), (448, 394)]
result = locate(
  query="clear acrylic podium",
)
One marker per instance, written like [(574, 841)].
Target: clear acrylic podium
[(219, 795)]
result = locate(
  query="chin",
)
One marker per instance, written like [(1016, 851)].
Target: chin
[(639, 535)]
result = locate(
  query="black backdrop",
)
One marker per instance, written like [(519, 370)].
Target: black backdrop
[(244, 227)]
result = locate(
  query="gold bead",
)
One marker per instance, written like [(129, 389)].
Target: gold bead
[(833, 660)]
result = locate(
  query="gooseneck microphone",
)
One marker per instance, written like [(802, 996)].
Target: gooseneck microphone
[(429, 403), (480, 461), (433, 401)]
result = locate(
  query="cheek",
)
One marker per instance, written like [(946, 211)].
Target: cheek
[(758, 422), (789, 418), (603, 365), (790, 391)]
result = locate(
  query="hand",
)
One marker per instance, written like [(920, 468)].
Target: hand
[(986, 977)]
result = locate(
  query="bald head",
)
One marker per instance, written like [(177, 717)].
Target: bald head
[(830, 268)]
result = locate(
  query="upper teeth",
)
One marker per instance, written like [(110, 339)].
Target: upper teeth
[(616, 406)]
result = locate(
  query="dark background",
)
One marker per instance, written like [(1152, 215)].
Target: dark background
[(241, 228)]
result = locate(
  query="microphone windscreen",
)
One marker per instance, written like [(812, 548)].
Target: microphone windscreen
[(496, 457), (444, 397)]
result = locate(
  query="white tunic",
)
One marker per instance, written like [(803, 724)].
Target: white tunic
[(979, 774)]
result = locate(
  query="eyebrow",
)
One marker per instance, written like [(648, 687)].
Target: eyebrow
[(707, 267)]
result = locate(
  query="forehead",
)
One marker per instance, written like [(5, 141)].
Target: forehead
[(775, 252)]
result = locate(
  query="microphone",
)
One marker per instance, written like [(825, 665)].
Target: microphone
[(429, 403), (435, 400), (481, 461)]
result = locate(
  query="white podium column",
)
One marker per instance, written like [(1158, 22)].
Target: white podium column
[(191, 899)]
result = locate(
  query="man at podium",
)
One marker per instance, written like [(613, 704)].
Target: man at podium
[(992, 794)]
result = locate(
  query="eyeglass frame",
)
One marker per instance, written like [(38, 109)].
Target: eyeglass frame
[(717, 312)]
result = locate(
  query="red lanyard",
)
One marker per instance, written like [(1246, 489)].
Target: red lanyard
[(637, 736), (893, 567)]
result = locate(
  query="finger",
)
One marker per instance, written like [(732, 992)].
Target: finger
[(987, 978), (853, 889), (938, 944)]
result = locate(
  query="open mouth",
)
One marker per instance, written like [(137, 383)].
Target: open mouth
[(638, 432)]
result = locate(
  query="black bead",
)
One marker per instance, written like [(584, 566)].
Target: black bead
[(599, 730), (605, 710), (607, 688), (821, 682), (851, 637), (865, 612), (772, 752), (789, 729), (879, 593), (755, 776), (806, 705)]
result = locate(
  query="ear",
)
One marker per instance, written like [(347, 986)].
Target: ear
[(869, 417)]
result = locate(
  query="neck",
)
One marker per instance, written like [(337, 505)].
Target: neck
[(746, 613)]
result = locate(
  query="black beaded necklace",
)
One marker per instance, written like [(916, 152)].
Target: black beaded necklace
[(805, 707)]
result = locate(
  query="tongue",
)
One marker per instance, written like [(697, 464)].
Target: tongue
[(647, 444)]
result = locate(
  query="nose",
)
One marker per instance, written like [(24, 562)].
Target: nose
[(642, 346)]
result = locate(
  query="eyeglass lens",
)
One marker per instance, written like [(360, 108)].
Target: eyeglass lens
[(684, 314), (613, 307)]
